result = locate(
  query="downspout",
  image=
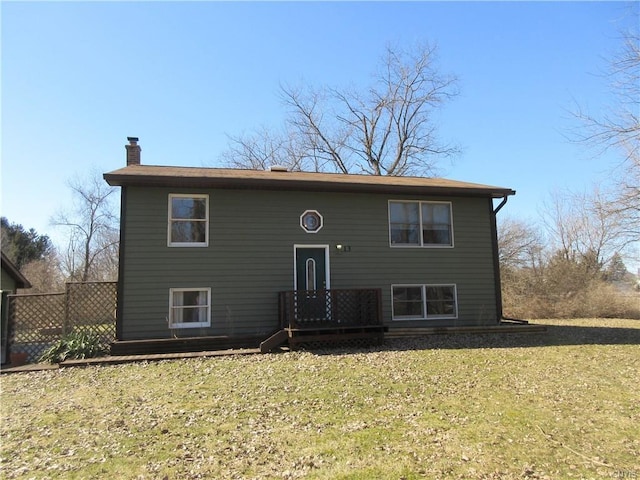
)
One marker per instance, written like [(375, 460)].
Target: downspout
[(496, 255), (502, 204)]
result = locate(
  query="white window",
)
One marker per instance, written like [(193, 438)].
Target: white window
[(420, 224), (188, 220), (189, 307), (408, 301), (420, 302)]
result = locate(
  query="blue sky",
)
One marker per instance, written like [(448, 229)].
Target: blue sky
[(79, 77)]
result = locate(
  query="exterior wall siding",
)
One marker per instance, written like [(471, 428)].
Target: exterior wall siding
[(8, 284), (250, 257)]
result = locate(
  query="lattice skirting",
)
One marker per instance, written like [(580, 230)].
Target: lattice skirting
[(338, 343)]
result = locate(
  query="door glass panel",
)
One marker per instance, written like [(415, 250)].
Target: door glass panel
[(311, 274)]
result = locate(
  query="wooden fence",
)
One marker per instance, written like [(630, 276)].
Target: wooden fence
[(36, 321)]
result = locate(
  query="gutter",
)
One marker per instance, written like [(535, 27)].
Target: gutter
[(300, 185), (502, 204)]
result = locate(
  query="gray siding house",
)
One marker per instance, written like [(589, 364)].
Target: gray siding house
[(10, 280), (209, 252)]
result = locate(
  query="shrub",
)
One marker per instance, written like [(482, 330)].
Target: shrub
[(523, 298), (75, 345)]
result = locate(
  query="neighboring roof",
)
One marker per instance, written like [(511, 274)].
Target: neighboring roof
[(12, 270), (165, 176)]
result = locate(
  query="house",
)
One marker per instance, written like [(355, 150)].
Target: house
[(227, 253), (10, 281)]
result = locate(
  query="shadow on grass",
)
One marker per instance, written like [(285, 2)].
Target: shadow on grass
[(556, 335), (581, 335)]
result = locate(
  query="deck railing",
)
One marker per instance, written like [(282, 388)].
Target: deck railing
[(313, 309)]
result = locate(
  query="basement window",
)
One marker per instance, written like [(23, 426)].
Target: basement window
[(189, 307), (424, 302)]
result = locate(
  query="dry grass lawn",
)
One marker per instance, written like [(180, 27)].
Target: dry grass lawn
[(557, 405)]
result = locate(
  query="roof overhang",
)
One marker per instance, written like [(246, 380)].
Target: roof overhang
[(14, 273), (192, 177)]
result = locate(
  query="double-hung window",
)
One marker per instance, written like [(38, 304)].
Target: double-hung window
[(420, 302), (420, 224), (189, 307), (188, 220)]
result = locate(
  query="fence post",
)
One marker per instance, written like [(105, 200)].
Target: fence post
[(65, 320)]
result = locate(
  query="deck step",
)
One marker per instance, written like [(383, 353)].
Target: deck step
[(277, 339)]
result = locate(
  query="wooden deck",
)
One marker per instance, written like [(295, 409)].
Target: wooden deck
[(334, 308), (308, 337), (324, 317), (183, 345), (500, 328), (122, 359), (325, 336)]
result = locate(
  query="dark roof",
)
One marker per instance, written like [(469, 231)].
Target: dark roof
[(12, 270), (165, 176)]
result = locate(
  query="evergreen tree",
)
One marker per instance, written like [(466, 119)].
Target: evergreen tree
[(23, 246), (616, 270)]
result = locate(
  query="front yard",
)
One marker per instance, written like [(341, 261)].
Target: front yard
[(561, 404)]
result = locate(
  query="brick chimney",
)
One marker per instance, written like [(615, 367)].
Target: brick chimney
[(133, 151)]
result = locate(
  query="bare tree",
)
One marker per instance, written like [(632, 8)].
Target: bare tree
[(619, 129), (264, 148), (519, 243), (563, 268), (389, 129), (92, 248), (45, 274), (619, 126), (582, 226)]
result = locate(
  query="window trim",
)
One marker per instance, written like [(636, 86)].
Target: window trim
[(426, 316), (408, 317), (170, 220), (421, 244), (316, 214), (189, 324)]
